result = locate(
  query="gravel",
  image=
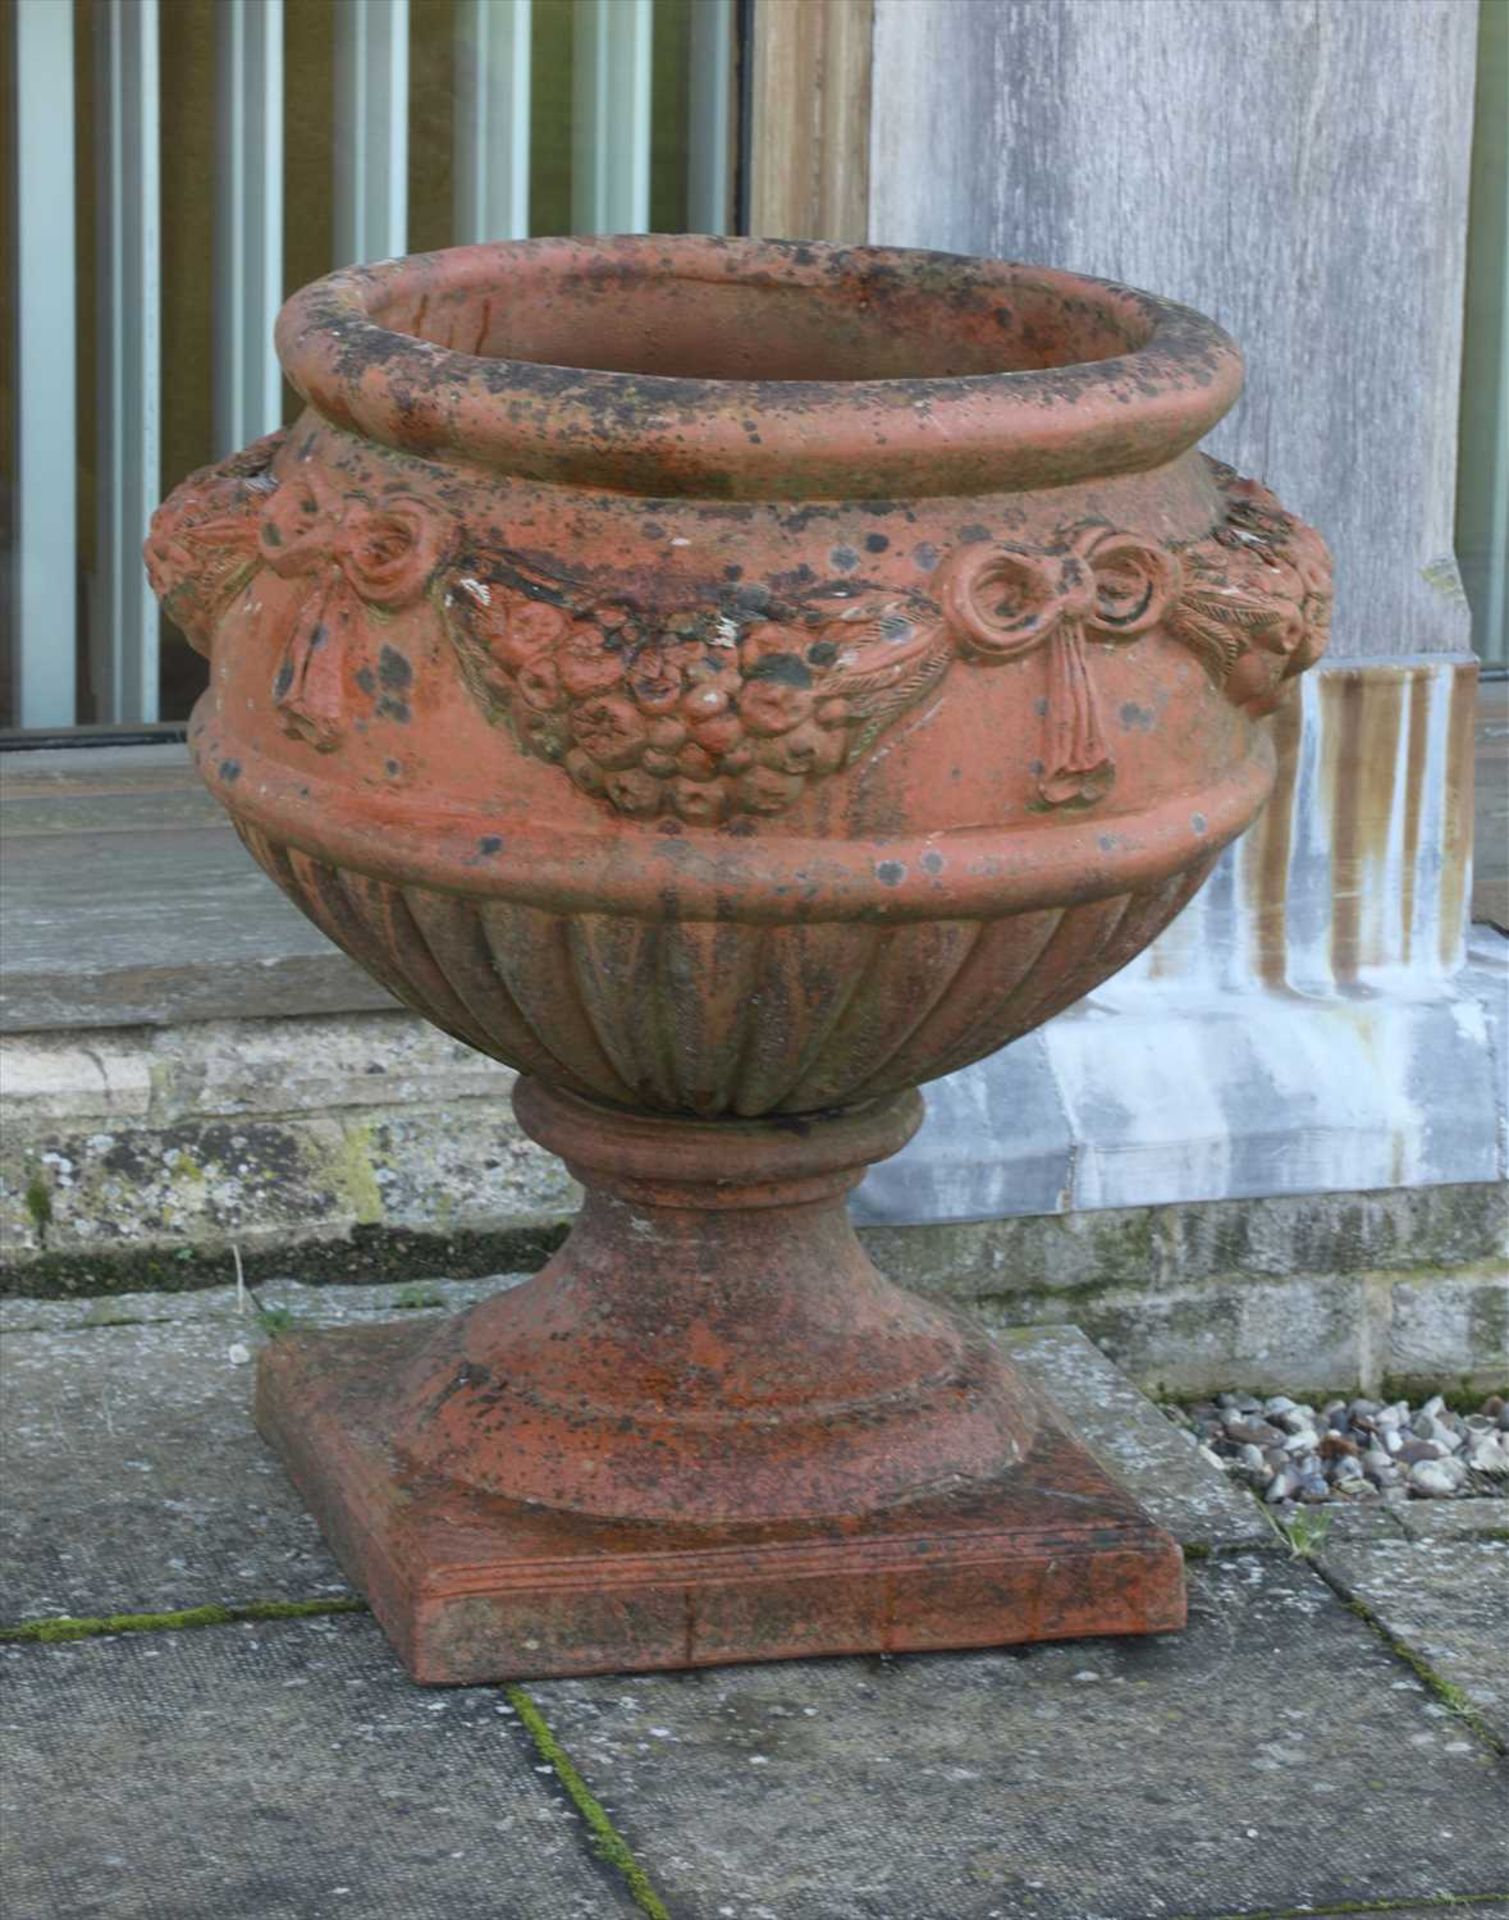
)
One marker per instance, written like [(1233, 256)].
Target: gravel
[(1289, 1453)]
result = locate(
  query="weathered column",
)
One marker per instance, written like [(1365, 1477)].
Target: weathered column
[(1298, 169)]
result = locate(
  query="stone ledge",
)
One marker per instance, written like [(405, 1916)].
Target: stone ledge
[(129, 901)]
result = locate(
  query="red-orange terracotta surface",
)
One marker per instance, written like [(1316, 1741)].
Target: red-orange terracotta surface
[(734, 683)]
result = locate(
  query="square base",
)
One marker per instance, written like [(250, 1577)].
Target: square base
[(473, 1588)]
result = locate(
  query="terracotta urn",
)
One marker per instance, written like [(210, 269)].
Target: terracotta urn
[(733, 683)]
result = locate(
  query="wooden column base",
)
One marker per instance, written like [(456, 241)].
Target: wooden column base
[(708, 1431)]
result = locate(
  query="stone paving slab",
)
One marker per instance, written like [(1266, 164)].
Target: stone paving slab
[(284, 1771), (135, 1481), (1447, 1600), (1155, 1460), (1274, 1756)]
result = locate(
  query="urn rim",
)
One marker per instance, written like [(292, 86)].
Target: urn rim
[(1107, 379)]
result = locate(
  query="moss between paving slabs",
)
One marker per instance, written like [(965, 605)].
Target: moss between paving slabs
[(75, 1627), (606, 1838)]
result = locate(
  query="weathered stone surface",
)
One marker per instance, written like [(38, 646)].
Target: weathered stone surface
[(1446, 1599), (1423, 1229), (1274, 1756), (281, 1771), (1308, 1333), (263, 1131), (388, 1300), (1454, 1327), (469, 1166), (193, 1182), (136, 1482), (18, 1314), (52, 1077), (1279, 1294), (1200, 1505), (1454, 1519), (1337, 1522), (315, 1063), (129, 900)]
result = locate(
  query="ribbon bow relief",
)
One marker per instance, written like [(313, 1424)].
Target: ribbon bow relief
[(1004, 602), (351, 551)]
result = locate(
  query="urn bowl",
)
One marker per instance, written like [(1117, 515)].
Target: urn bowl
[(722, 677)]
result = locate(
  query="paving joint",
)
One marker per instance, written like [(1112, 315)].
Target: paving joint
[(1450, 1696), (62, 1627), (606, 1841)]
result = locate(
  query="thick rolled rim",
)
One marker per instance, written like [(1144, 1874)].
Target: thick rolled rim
[(654, 433)]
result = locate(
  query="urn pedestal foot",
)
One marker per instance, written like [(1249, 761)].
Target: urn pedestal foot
[(708, 1431)]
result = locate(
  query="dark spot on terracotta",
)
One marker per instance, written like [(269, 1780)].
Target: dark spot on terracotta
[(283, 681), (394, 671), (890, 873), (876, 543), (270, 535), (1199, 823), (822, 653), (845, 559), (1040, 706), (925, 556), (366, 679), (932, 861), (393, 768), (390, 708), (490, 843), (974, 532), (787, 668), (230, 771), (1106, 842), (1134, 718), (733, 572)]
